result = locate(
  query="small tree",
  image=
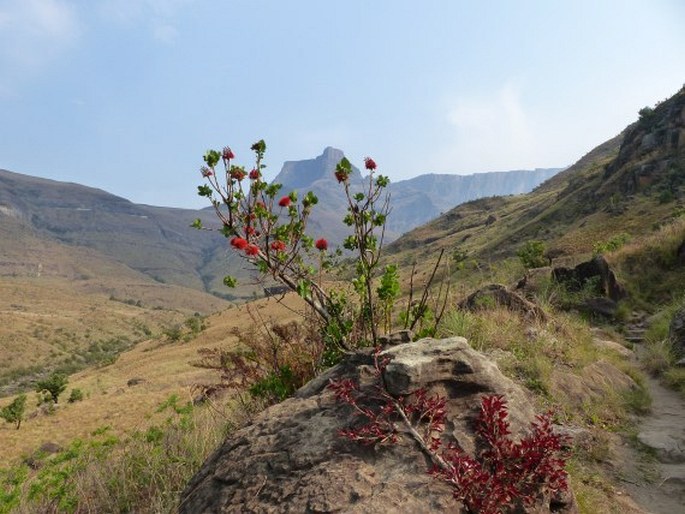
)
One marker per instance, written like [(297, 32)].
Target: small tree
[(532, 254), (269, 231), (55, 385), (14, 412)]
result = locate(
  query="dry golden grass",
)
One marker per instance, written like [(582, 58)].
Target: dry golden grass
[(45, 322), (166, 369)]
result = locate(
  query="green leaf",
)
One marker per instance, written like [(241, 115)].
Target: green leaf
[(359, 197), (197, 223), (204, 191), (310, 199), (230, 281), (382, 181), (262, 266), (212, 157), (303, 288), (344, 165)]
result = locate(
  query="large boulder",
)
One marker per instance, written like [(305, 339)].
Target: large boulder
[(595, 272), (291, 458), (498, 295)]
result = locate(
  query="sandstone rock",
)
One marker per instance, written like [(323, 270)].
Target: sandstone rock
[(291, 458), (395, 338), (498, 295), (602, 306), (594, 382), (597, 268), (614, 346)]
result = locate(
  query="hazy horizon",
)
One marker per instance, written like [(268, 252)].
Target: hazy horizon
[(127, 95)]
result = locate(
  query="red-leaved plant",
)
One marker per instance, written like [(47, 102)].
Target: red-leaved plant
[(501, 476)]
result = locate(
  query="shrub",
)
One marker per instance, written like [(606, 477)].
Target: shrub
[(270, 232), (14, 412), (532, 254), (612, 244), (54, 385), (271, 360), (75, 396)]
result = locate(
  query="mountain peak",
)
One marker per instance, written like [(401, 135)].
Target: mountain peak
[(301, 174)]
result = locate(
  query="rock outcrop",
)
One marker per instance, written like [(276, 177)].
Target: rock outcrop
[(291, 458), (498, 295)]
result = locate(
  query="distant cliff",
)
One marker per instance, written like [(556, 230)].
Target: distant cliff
[(414, 201)]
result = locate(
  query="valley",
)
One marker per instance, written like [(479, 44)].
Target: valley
[(127, 318)]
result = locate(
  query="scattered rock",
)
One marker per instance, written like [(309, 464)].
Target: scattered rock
[(135, 381), (667, 448), (395, 338), (614, 346), (594, 383), (575, 279), (35, 461), (49, 448), (498, 295), (605, 307), (290, 458), (491, 219)]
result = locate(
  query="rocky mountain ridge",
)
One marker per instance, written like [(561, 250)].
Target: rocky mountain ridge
[(159, 242)]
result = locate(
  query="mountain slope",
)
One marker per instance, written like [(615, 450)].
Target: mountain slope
[(631, 183)]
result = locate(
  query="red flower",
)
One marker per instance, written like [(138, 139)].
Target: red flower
[(249, 231), (369, 163), (278, 246), (284, 202), (341, 176), (254, 174), (237, 173), (239, 243), (206, 172), (321, 244), (227, 153), (251, 250)]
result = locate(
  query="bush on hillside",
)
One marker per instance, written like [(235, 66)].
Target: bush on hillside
[(532, 254), (54, 385), (14, 412)]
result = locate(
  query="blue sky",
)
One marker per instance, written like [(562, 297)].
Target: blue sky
[(126, 95)]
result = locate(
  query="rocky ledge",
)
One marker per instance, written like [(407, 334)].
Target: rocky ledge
[(292, 459)]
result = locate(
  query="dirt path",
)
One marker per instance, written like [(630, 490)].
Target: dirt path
[(657, 482), (656, 479)]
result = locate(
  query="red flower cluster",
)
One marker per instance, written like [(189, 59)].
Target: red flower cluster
[(237, 173), (321, 244), (251, 250), (369, 164), (254, 174), (206, 172), (239, 243), (278, 246), (227, 154), (341, 176), (284, 202)]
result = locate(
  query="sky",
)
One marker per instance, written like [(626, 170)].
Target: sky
[(126, 95)]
